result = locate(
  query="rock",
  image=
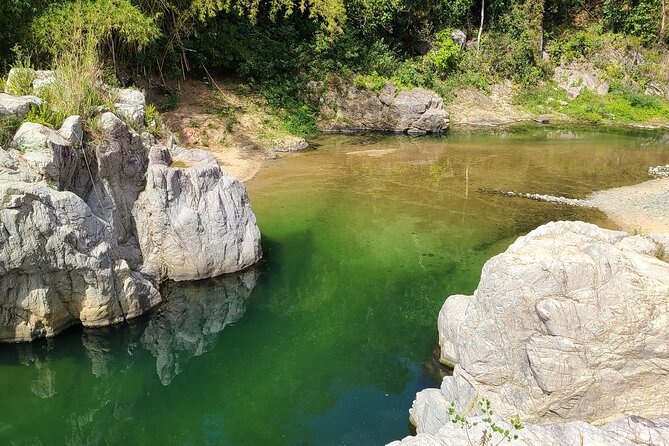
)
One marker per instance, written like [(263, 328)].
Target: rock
[(659, 171), (563, 103), (193, 314), (585, 324), (627, 431), (43, 78), (291, 144), (59, 267), (459, 38), (46, 153), (12, 170), (574, 77), (573, 92), (40, 78), (131, 105), (188, 206), (569, 324), (118, 166), (72, 131), (541, 119), (416, 111), (17, 106)]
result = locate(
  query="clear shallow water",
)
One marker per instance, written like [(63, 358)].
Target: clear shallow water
[(327, 341)]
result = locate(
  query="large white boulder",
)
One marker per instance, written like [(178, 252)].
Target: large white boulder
[(193, 220), (58, 266), (46, 153)]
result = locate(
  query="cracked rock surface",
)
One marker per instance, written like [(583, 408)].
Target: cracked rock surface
[(88, 232), (416, 112), (570, 324)]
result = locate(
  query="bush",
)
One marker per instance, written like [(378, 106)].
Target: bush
[(8, 126), (46, 116), (446, 54), (22, 77)]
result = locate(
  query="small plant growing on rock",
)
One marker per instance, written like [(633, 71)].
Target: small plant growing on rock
[(491, 433)]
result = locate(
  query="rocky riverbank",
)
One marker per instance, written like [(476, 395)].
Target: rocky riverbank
[(569, 325), (91, 223)]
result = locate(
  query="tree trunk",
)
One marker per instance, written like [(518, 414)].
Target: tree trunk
[(478, 39)]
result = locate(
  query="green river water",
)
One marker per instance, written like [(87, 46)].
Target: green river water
[(329, 339)]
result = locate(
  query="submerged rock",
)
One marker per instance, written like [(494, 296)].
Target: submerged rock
[(570, 323), (416, 112), (193, 220)]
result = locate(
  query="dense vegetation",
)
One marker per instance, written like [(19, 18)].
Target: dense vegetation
[(280, 46)]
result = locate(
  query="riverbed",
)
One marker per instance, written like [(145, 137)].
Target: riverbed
[(327, 341)]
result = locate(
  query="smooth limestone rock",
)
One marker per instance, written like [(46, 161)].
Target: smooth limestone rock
[(58, 267), (193, 220), (416, 112), (570, 324), (72, 131), (46, 153), (17, 106)]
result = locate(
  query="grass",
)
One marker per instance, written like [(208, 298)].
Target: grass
[(620, 106), (45, 115), (179, 165), (22, 78), (8, 126)]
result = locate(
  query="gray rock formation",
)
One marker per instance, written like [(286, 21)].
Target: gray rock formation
[(17, 106), (575, 77), (72, 131), (416, 112), (118, 165), (570, 323), (46, 153), (131, 105), (40, 78), (459, 38), (57, 266), (69, 246), (189, 206)]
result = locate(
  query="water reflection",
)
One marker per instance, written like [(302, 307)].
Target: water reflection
[(187, 324)]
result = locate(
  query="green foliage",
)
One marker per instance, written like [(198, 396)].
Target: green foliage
[(22, 78), (8, 126), (114, 24), (639, 18), (575, 45), (446, 54), (3, 83), (169, 102), (491, 431), (46, 116)]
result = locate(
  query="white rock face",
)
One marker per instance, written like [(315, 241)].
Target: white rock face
[(416, 112), (17, 106), (577, 76), (131, 104), (71, 250), (46, 152), (57, 266), (194, 220), (570, 323)]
